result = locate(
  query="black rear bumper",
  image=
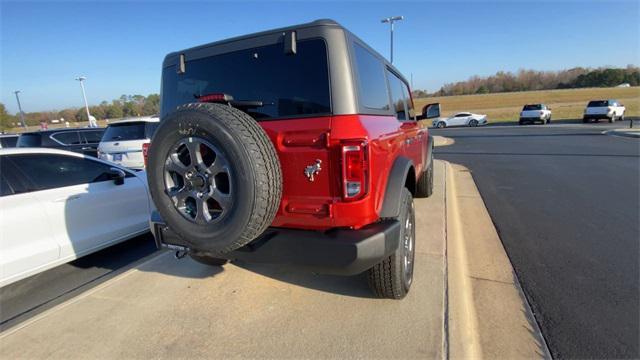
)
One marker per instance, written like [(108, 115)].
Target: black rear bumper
[(337, 252)]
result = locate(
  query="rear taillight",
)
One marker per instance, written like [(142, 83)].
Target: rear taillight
[(145, 153), (355, 170)]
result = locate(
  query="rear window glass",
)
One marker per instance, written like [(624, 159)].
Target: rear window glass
[(598, 103), (150, 129), (532, 107), (288, 85), (125, 131), (29, 140)]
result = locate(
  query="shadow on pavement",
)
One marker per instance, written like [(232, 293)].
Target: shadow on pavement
[(354, 286), (167, 264)]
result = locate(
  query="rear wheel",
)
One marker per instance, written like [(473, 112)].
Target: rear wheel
[(392, 278), (440, 125), (424, 187)]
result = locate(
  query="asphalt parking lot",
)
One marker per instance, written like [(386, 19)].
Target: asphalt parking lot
[(29, 297), (564, 199)]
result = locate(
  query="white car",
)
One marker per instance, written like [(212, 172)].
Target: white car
[(532, 113), (57, 206), (462, 119), (611, 110), (125, 141)]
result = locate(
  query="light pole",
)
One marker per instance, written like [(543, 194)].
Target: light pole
[(84, 95), (24, 125), (391, 20)]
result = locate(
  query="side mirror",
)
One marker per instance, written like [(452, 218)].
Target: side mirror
[(117, 175), (430, 111)]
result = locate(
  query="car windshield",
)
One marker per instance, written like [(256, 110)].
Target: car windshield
[(29, 140), (532, 107), (124, 131), (598, 103), (287, 85)]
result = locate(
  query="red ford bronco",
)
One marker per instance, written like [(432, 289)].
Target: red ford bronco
[(297, 146)]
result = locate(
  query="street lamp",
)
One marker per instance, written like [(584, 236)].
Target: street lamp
[(84, 95), (391, 20), (24, 125)]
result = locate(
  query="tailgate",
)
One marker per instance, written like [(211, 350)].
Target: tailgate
[(300, 143)]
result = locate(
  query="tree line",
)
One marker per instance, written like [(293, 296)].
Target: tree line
[(125, 106), (526, 80)]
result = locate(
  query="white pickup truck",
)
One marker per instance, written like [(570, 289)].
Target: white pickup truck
[(535, 112), (610, 109)]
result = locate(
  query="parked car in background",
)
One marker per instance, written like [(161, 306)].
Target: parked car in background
[(610, 109), (462, 119), (84, 141), (532, 113), (124, 142), (58, 206), (8, 140)]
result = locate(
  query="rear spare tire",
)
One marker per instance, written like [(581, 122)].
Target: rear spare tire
[(214, 176)]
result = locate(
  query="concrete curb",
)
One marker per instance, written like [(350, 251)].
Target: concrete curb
[(442, 141), (632, 133), (488, 314)]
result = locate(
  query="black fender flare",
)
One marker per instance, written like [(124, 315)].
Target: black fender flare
[(429, 145), (396, 182)]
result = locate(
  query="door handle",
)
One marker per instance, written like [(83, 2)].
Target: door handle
[(87, 148), (69, 198)]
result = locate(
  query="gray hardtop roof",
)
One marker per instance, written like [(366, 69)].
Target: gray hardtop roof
[(168, 60)]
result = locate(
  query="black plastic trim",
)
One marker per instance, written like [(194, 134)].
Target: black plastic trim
[(336, 252), (395, 184)]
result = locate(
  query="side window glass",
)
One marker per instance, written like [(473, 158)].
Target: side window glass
[(398, 99), (372, 86), (5, 187), (67, 137), (409, 101), (48, 171), (91, 136)]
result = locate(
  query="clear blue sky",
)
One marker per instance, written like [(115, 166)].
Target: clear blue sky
[(119, 46)]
